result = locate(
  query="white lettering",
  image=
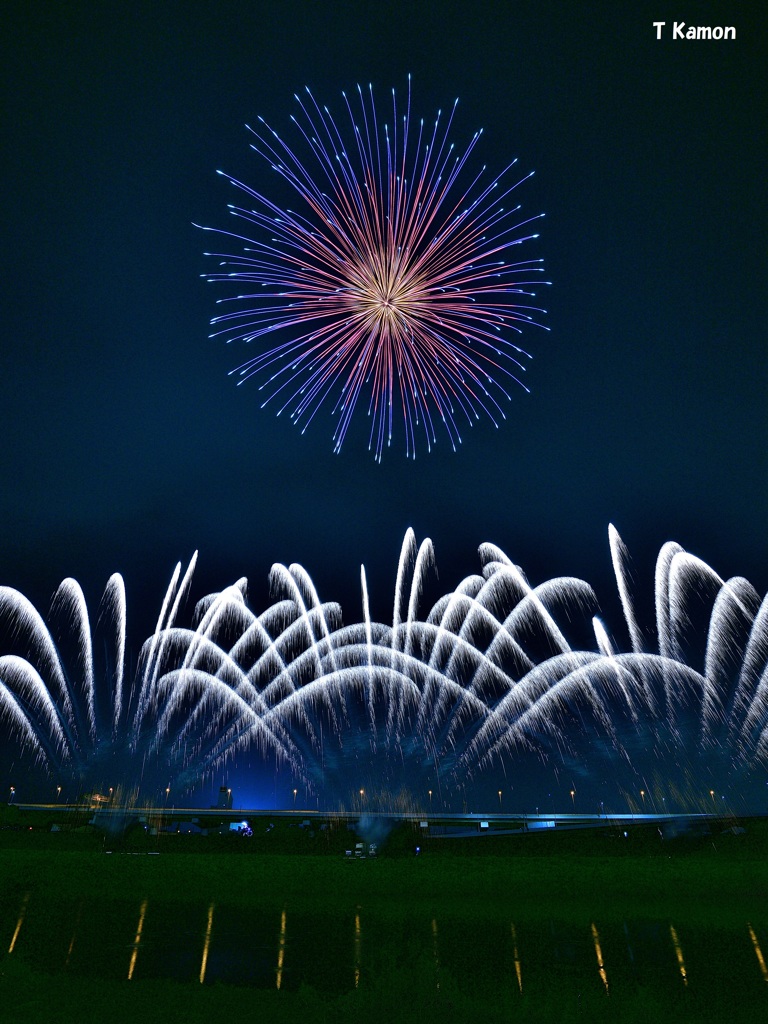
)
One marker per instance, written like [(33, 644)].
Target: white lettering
[(659, 25), (680, 31)]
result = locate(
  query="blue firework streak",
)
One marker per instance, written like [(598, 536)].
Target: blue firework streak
[(393, 284)]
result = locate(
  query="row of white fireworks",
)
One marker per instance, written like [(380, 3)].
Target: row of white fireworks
[(487, 675)]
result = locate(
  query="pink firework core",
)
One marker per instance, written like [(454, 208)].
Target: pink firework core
[(392, 287)]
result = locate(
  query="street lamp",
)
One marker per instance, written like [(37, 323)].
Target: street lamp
[(294, 799), (499, 799), (58, 793), (573, 799), (430, 800), (12, 794), (642, 795)]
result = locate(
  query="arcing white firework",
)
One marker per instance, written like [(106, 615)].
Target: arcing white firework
[(488, 675)]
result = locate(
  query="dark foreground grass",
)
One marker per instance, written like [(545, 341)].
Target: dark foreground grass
[(29, 996), (576, 875), (711, 883)]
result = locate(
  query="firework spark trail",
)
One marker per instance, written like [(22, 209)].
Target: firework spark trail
[(74, 719), (15, 672), (486, 673), (113, 611), (69, 601), (324, 667), (25, 619), (394, 280), (156, 646)]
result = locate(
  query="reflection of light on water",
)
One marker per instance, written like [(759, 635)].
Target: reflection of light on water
[(137, 940), (19, 923), (518, 971), (679, 954), (358, 935), (599, 955), (74, 934), (280, 951), (204, 962), (435, 953), (758, 952)]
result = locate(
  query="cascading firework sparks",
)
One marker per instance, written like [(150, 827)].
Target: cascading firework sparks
[(393, 283), (486, 678), (84, 722)]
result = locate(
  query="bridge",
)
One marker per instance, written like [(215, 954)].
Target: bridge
[(446, 824)]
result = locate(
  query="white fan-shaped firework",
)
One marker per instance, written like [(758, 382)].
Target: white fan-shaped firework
[(486, 677)]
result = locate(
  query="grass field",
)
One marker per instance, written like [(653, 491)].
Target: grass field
[(711, 886)]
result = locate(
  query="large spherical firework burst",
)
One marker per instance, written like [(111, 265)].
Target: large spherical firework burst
[(394, 284)]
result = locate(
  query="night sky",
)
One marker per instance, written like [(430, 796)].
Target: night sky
[(125, 444)]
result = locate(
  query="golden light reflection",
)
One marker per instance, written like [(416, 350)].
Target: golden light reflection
[(74, 934), (679, 954), (137, 940), (206, 946), (19, 923), (280, 952), (435, 953), (518, 970), (599, 955), (358, 937), (758, 952)]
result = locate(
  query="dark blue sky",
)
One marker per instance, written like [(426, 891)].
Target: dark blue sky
[(126, 446)]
